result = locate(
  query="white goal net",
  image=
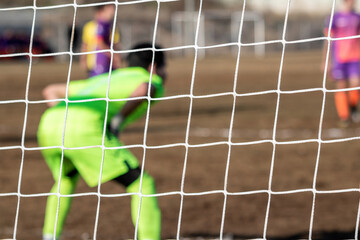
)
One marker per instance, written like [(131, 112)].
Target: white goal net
[(191, 127)]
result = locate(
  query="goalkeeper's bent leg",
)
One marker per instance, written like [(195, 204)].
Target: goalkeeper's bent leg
[(150, 215), (67, 186)]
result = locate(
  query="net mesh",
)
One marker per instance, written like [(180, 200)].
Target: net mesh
[(191, 96)]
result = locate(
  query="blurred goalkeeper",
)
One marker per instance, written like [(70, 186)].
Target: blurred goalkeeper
[(345, 61), (97, 35), (84, 131)]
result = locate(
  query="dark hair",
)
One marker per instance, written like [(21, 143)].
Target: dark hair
[(100, 7), (143, 58)]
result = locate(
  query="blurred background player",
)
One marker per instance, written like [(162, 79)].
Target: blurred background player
[(97, 35), (345, 61), (85, 126)]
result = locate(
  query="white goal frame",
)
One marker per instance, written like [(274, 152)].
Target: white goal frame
[(183, 23)]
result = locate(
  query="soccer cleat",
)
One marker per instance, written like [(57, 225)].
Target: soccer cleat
[(344, 123), (355, 116)]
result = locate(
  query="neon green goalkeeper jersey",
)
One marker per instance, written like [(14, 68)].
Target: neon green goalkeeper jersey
[(122, 84), (84, 128)]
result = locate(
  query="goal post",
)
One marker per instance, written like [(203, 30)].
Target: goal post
[(259, 29), (184, 24)]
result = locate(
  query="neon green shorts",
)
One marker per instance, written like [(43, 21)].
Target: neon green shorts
[(83, 131)]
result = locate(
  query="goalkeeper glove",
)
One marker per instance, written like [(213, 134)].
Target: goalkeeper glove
[(115, 123)]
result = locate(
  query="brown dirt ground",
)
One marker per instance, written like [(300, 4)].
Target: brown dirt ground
[(249, 165)]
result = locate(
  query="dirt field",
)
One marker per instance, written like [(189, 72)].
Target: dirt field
[(249, 166)]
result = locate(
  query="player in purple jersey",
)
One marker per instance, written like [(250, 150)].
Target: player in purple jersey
[(345, 60), (97, 35)]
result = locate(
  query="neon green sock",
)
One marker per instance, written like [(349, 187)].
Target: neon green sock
[(150, 215), (67, 186)]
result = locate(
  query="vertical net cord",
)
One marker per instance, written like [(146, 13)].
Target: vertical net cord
[(58, 194), (25, 121), (103, 147), (278, 91), (148, 99), (357, 221), (232, 120), (328, 38), (189, 120)]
